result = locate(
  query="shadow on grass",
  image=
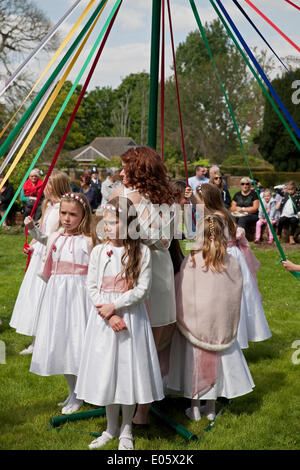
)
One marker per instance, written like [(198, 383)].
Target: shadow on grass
[(265, 350)]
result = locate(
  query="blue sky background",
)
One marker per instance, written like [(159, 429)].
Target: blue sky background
[(128, 47)]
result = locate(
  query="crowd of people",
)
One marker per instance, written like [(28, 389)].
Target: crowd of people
[(127, 318)]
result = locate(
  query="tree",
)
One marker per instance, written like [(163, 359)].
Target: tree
[(97, 113), (275, 144), (22, 27), (208, 127), (131, 106)]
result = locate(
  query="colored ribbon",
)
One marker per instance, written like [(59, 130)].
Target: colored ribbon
[(63, 106), (263, 38), (177, 93), (61, 47), (202, 31), (46, 39), (162, 80), (49, 103), (273, 25), (258, 67), (293, 4), (53, 76), (264, 89)]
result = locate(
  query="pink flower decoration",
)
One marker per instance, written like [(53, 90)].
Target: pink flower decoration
[(109, 253), (54, 248)]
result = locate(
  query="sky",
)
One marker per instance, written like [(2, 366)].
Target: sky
[(128, 47)]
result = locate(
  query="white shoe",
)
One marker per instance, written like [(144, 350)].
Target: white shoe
[(64, 403), (71, 407), (26, 351), (101, 440), (126, 443), (193, 415), (210, 415)]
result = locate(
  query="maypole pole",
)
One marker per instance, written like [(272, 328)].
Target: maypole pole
[(154, 73)]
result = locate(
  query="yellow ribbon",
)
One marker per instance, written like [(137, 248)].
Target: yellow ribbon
[(50, 101), (61, 47)]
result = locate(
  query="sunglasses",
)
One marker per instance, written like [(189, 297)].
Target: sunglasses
[(218, 177), (245, 184)]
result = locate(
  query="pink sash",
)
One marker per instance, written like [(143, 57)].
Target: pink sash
[(113, 284), (65, 267)]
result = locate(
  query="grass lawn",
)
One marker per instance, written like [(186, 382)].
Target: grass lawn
[(267, 418)]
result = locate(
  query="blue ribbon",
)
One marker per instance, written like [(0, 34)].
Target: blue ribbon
[(258, 67), (263, 38)]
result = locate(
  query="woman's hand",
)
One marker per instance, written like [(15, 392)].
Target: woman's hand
[(28, 222), (117, 323), (188, 193), (106, 310)]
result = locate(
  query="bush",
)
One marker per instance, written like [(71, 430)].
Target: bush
[(271, 179)]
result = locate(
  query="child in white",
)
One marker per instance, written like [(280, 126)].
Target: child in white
[(119, 364), (269, 203), (24, 317), (206, 360), (65, 305)]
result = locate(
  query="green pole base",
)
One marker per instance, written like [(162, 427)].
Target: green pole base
[(59, 420), (181, 430)]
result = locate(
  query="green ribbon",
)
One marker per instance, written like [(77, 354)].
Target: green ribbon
[(52, 77), (202, 31), (63, 107)]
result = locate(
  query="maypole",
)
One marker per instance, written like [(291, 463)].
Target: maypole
[(154, 72)]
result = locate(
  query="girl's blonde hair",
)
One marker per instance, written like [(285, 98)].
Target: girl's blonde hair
[(215, 244), (212, 199), (86, 226), (60, 184), (131, 259)]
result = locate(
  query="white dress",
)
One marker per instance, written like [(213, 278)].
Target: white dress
[(234, 379), (162, 303), (118, 367), (64, 309), (253, 325), (32, 288)]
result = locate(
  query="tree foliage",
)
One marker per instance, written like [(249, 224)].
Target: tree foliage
[(275, 144)]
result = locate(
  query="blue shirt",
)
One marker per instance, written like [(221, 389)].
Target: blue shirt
[(194, 181)]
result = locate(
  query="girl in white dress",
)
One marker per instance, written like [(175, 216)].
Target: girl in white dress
[(25, 311), (253, 324), (147, 185), (206, 360), (65, 305), (119, 364)]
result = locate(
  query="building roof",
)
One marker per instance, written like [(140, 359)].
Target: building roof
[(102, 147)]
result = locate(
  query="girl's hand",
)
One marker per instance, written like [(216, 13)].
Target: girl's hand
[(188, 193), (106, 310), (117, 323), (289, 266), (28, 249), (28, 222)]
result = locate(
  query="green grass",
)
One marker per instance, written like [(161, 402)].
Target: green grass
[(267, 418)]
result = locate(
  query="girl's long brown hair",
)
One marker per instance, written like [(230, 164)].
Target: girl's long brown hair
[(215, 244), (146, 172), (131, 258), (212, 199), (86, 226)]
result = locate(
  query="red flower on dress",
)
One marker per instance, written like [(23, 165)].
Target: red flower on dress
[(109, 253), (54, 248)]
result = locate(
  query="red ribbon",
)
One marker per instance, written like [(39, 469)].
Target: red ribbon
[(273, 25), (291, 3), (66, 132)]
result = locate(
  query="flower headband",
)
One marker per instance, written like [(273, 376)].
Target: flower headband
[(199, 188), (110, 207), (74, 196)]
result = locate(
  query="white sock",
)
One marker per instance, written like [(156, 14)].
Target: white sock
[(126, 428), (72, 403), (112, 416), (194, 411), (210, 409)]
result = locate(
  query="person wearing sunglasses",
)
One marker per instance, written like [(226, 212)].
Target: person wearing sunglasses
[(216, 178), (245, 204)]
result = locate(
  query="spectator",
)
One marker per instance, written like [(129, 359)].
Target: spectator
[(96, 183), (245, 202), (216, 178), (6, 195), (30, 193), (289, 208), (200, 177), (111, 182), (269, 203), (88, 190)]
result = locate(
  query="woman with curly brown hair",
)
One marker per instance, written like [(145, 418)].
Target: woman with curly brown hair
[(147, 185)]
